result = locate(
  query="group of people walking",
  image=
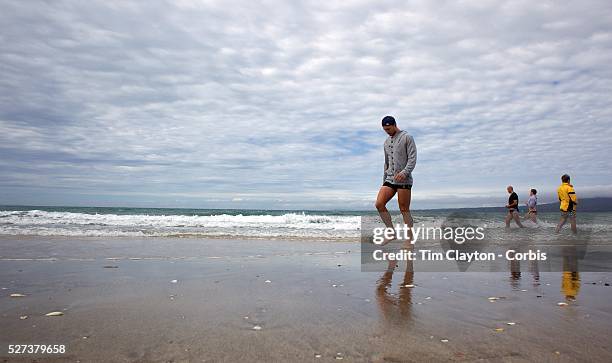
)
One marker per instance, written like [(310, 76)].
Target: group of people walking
[(567, 205), (400, 159)]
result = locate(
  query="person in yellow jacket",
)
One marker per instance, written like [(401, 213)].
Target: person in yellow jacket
[(568, 203)]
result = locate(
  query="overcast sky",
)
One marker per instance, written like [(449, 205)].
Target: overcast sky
[(278, 104)]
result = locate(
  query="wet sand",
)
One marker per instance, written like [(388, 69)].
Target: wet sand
[(259, 300)]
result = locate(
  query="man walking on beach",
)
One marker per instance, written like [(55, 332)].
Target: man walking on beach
[(513, 205), (568, 202), (400, 159)]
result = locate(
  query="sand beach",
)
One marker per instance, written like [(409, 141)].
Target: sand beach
[(216, 300)]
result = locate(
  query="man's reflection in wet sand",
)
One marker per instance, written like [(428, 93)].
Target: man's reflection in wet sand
[(570, 280), (515, 274), (395, 309), (515, 270)]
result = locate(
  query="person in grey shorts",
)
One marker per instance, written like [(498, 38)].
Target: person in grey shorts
[(400, 159), (532, 206)]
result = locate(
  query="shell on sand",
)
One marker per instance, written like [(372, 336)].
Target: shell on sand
[(54, 313)]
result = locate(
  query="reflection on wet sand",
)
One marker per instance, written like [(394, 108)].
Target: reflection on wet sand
[(395, 309), (515, 270), (570, 276), (515, 273), (570, 281), (570, 284)]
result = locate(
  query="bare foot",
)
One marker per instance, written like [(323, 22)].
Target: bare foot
[(387, 240)]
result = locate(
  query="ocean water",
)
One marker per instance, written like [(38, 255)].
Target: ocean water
[(169, 222), (236, 223)]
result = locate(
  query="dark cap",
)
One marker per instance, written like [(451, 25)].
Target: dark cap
[(388, 121)]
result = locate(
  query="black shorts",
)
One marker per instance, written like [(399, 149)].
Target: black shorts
[(395, 187)]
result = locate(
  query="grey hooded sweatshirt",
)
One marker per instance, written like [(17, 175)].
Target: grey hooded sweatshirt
[(400, 156)]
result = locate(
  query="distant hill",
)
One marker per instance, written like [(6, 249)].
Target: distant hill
[(584, 205)]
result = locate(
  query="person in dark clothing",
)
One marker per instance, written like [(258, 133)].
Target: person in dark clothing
[(513, 208)]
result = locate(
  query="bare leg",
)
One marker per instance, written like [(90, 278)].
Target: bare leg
[(561, 223), (403, 199), (384, 196), (515, 215), (392, 264), (508, 219), (573, 224)]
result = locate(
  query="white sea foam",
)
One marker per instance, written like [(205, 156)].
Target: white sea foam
[(287, 225), (38, 222)]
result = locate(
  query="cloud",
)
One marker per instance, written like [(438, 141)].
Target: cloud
[(277, 104)]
